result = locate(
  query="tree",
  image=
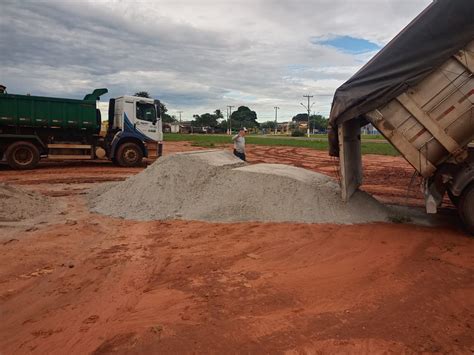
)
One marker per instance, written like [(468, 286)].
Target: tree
[(205, 120), (269, 125), (300, 117), (244, 117), (318, 122), (293, 126), (143, 94), (208, 119), (218, 114), (164, 116), (222, 126)]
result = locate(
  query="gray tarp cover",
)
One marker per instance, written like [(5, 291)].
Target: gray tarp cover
[(442, 29)]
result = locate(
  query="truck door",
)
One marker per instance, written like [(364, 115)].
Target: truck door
[(147, 120)]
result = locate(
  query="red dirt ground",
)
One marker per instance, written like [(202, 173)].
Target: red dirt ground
[(77, 282)]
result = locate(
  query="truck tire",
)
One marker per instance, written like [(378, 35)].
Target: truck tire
[(22, 155), (454, 199), (466, 208), (129, 154)]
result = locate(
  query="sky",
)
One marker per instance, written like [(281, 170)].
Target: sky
[(196, 56)]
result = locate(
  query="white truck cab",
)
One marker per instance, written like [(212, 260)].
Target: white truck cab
[(140, 114), (134, 122)]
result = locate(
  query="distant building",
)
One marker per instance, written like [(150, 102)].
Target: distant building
[(174, 127), (369, 129), (186, 127), (284, 127)]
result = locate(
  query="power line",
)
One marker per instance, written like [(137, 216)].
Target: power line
[(180, 112), (308, 108)]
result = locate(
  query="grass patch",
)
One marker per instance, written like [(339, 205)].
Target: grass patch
[(372, 136), (363, 136), (213, 140), (379, 149)]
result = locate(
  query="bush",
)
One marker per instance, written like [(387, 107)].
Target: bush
[(297, 133)]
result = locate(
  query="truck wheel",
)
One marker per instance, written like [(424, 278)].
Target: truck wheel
[(454, 199), (22, 155), (466, 208), (129, 154)]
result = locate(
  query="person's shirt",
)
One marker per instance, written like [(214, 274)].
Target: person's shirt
[(239, 143)]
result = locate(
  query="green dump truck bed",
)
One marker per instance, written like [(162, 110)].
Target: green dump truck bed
[(23, 111)]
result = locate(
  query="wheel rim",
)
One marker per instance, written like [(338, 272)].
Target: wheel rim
[(23, 156), (130, 155)]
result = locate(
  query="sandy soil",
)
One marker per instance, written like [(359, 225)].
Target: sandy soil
[(75, 282)]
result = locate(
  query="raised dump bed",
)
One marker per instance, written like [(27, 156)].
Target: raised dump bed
[(432, 121), (418, 91)]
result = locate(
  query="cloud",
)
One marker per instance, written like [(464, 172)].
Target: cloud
[(194, 56)]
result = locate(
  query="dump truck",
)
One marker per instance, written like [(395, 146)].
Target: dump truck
[(36, 127), (418, 92)]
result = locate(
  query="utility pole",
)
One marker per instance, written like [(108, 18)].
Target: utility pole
[(308, 108), (179, 128), (230, 118), (227, 118), (276, 119)]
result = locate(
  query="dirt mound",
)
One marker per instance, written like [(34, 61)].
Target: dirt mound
[(216, 186), (17, 204)]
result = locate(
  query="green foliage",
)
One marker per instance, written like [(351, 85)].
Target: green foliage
[(315, 121), (373, 136), (164, 116), (222, 125), (268, 125), (300, 117), (293, 126), (143, 94), (219, 114), (207, 119), (318, 122), (244, 117), (297, 133)]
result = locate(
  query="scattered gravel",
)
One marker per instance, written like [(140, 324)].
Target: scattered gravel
[(216, 186), (17, 204)]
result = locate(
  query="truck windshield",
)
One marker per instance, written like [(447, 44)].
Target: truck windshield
[(146, 112)]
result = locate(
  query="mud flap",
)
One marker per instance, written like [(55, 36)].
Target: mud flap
[(433, 197), (350, 158), (160, 149)]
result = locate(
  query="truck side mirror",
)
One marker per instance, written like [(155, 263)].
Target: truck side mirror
[(158, 109)]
